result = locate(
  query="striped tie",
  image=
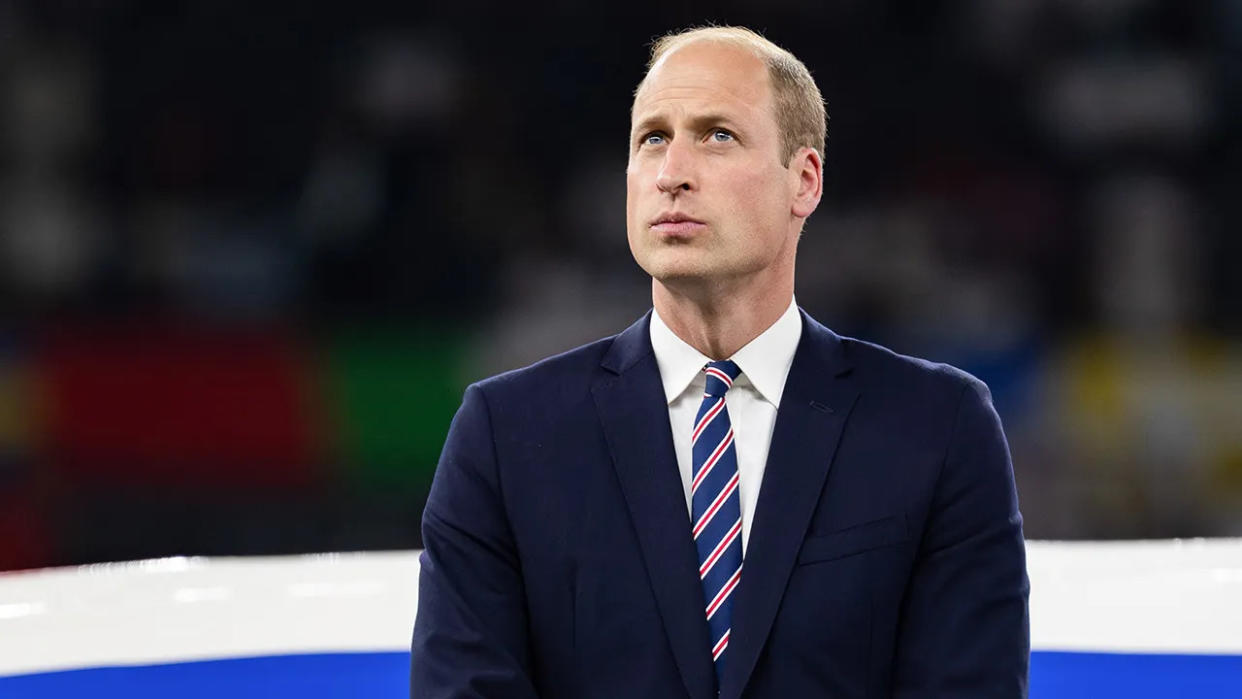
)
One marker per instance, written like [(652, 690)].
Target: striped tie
[(715, 506)]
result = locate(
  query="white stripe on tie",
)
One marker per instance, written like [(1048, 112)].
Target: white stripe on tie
[(720, 375), (715, 506), (723, 594), (728, 539), (711, 462), (721, 645), (707, 419)]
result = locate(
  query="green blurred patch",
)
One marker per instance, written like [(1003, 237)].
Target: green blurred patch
[(393, 394)]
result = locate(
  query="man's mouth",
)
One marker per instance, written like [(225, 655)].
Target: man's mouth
[(675, 224)]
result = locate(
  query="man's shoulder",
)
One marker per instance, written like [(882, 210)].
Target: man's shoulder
[(573, 368), (906, 373)]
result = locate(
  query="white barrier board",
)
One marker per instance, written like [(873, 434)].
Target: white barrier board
[(1175, 598)]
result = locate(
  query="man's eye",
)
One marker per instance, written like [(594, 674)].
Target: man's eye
[(721, 136), (653, 139)]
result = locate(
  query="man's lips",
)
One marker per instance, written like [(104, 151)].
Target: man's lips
[(676, 225)]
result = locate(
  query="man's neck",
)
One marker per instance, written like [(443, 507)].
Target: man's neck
[(720, 324)]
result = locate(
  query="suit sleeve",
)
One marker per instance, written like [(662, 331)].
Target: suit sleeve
[(964, 629), (470, 637)]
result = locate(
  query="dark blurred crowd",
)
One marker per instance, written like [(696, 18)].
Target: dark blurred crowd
[(251, 253)]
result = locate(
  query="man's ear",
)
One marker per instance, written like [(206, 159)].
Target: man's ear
[(808, 167)]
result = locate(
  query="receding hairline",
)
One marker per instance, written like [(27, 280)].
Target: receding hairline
[(744, 39)]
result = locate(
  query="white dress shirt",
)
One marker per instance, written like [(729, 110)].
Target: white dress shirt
[(752, 402)]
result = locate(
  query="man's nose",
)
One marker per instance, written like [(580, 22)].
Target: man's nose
[(676, 171)]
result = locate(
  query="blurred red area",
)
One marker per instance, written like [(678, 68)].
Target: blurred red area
[(164, 406)]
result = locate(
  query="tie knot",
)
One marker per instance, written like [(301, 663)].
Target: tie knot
[(720, 376)]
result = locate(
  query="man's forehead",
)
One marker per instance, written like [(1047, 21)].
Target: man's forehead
[(704, 71), (704, 51)]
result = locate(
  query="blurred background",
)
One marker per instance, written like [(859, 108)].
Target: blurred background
[(251, 254)]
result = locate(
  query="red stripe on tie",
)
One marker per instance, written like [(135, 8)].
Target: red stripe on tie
[(715, 506), (711, 461), (720, 548), (720, 375), (724, 593), (713, 412), (720, 645)]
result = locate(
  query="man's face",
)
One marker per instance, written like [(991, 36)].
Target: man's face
[(708, 198)]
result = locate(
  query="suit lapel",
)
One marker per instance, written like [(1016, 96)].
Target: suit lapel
[(817, 401), (634, 415)]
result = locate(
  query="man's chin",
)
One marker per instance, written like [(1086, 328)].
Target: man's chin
[(690, 281), (680, 272)]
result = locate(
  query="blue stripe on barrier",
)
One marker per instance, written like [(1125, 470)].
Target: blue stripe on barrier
[(322, 676), (1134, 675), (328, 676)]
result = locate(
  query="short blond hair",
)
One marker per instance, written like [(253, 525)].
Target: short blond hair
[(800, 113)]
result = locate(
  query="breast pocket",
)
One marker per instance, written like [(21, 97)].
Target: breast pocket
[(889, 531)]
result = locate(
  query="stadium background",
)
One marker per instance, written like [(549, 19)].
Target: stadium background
[(250, 253)]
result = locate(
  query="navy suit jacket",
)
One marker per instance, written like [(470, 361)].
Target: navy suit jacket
[(885, 559)]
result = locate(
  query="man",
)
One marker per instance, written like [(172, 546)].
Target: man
[(726, 498)]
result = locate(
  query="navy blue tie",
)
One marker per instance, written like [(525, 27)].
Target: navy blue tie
[(715, 507)]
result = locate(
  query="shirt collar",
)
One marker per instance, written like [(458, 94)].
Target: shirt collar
[(764, 361)]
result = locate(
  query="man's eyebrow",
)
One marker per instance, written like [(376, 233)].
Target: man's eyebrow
[(702, 121), (697, 122), (647, 124)]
